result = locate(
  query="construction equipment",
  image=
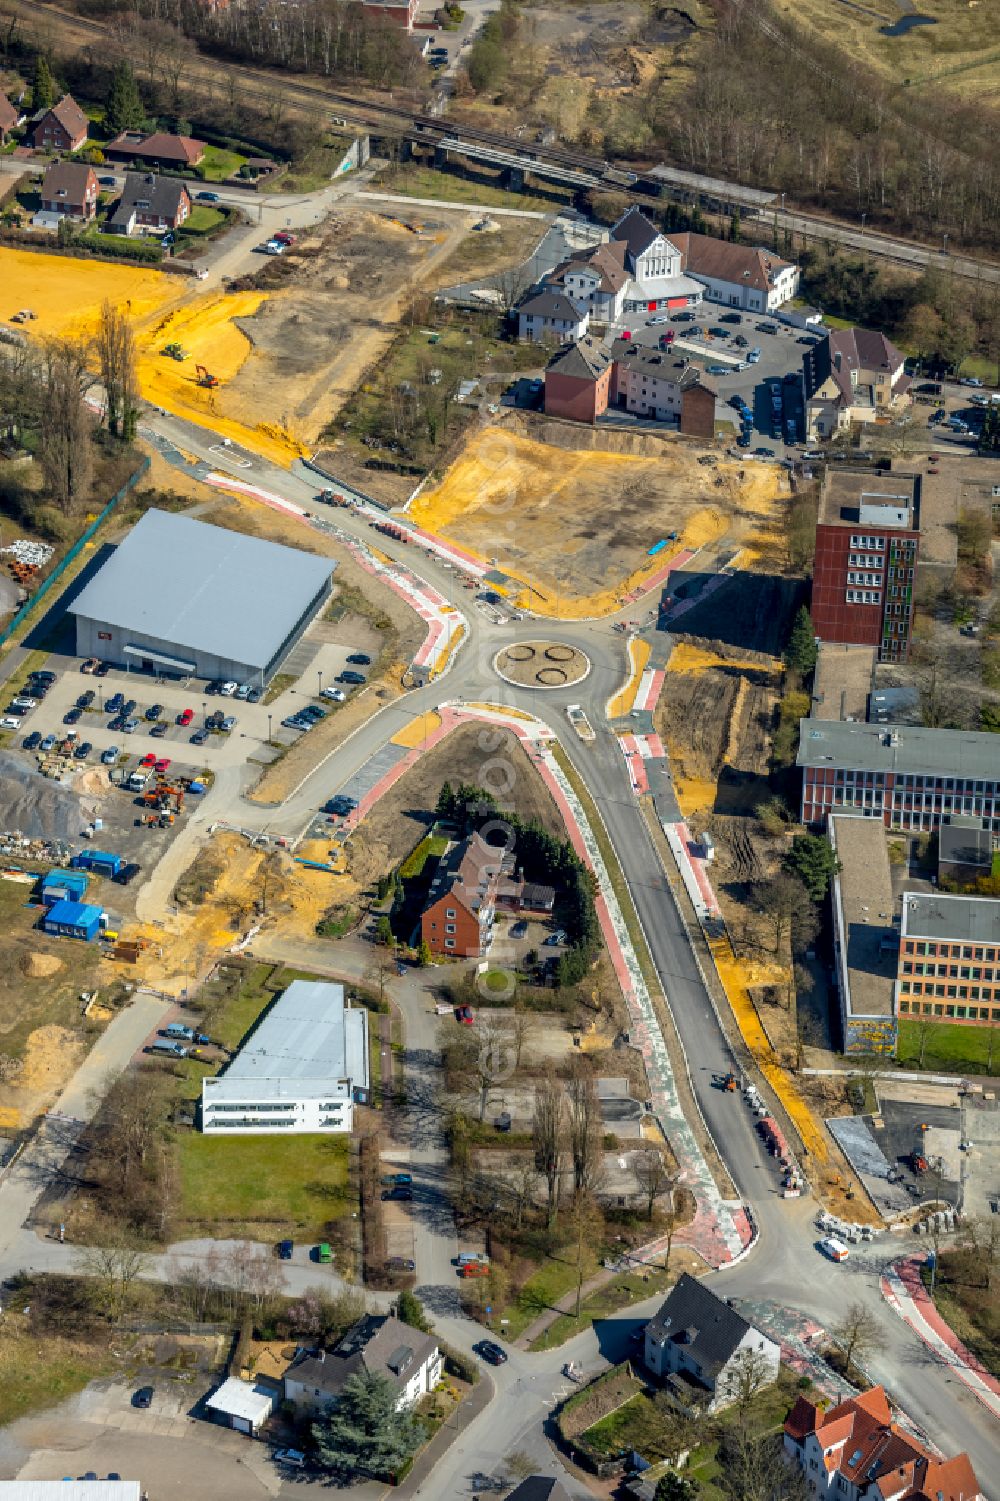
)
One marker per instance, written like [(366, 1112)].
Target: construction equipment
[(205, 377), (174, 351), (165, 798)]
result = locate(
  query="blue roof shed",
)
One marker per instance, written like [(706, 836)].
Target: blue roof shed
[(64, 885), (73, 920)]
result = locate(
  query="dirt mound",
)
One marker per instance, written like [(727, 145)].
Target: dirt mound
[(37, 807), (39, 966)]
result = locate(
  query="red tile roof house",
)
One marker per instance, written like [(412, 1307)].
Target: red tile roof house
[(9, 117), (855, 1452), (61, 128), (156, 150), (741, 276), (461, 903), (70, 189)]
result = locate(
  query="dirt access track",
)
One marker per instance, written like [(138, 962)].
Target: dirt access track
[(576, 524), (291, 342)]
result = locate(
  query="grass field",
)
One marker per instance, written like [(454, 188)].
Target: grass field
[(602, 1304), (960, 54), (950, 1046), (218, 164), (38, 1373), (425, 182), (288, 1185)]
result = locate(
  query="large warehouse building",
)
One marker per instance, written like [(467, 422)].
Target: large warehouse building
[(301, 1070), (183, 598)]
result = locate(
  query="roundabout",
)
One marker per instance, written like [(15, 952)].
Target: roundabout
[(541, 664)]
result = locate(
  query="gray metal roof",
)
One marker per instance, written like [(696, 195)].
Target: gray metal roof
[(204, 588), (958, 919), (901, 748), (308, 1036)]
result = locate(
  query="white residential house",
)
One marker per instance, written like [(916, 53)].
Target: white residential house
[(548, 314), (697, 1346), (655, 266), (595, 279), (747, 277), (379, 1344)]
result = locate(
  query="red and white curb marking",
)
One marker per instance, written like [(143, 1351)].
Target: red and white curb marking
[(906, 1295)]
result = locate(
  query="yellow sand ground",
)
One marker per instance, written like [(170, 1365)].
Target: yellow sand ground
[(418, 729), (735, 976), (66, 295), (499, 471), (638, 655), (689, 659), (694, 794)]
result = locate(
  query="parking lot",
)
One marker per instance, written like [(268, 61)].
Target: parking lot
[(780, 355), (175, 702)]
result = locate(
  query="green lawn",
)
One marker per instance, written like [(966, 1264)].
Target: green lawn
[(202, 219), (292, 1184), (218, 164), (553, 1280), (36, 1373), (235, 1002), (602, 1304), (433, 845), (425, 182), (949, 1046)]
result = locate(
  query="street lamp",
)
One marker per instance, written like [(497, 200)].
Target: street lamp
[(320, 676), (269, 729)]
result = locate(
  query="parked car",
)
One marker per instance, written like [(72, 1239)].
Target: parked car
[(764, 453), (153, 712), (115, 702), (86, 699), (744, 440), (149, 759), (200, 737), (110, 756), (31, 742), (341, 805), (185, 717), (753, 357), (730, 317), (242, 692), (285, 1249), (50, 741), (660, 318), (464, 1014), (519, 928), (254, 696), (130, 726), (401, 1191), (397, 1177), (294, 1458), (228, 689), (719, 370), (351, 677), (102, 670), (336, 695), (10, 722), (73, 717), (490, 1351), (206, 197), (229, 723), (274, 247), (834, 1248), (143, 1397), (970, 380), (162, 764), (559, 936), (90, 665), (358, 659), (159, 730)]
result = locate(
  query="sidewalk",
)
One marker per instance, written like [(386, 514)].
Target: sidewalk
[(906, 1295), (465, 1414), (565, 1304)]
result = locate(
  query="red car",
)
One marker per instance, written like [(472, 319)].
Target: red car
[(464, 1015), (149, 759), (162, 764), (283, 237), (185, 717)]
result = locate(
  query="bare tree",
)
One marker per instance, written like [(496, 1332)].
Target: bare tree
[(856, 1333), (521, 1185), (653, 1176), (115, 1270), (584, 1128), (522, 1027), (777, 900), (65, 449), (116, 353), (547, 1132), (748, 1375), (252, 1275)]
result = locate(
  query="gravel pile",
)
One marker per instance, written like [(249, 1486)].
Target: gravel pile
[(36, 807)]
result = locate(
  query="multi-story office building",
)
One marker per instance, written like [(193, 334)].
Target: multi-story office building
[(867, 539), (949, 958)]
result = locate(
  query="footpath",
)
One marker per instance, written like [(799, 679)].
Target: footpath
[(904, 1291)]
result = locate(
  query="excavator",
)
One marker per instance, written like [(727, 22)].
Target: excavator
[(205, 377)]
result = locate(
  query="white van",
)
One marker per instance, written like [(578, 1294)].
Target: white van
[(835, 1249)]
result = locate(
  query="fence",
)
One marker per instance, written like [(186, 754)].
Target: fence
[(74, 552)]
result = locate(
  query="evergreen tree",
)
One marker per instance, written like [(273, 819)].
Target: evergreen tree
[(989, 438), (363, 1437), (445, 806), (410, 1310), (674, 1487), (424, 955), (801, 651), (812, 859), (123, 106), (43, 90), (735, 233)]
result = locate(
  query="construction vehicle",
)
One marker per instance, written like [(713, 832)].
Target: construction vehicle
[(174, 351), (165, 798), (205, 377)]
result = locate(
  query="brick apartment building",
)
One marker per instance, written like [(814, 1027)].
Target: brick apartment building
[(867, 540), (906, 775), (472, 881), (577, 381), (582, 380), (949, 958), (855, 1452), (61, 128)]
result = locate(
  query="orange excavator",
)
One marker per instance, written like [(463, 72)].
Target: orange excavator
[(205, 377)]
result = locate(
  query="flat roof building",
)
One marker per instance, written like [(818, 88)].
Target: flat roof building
[(243, 1405), (865, 939), (908, 776), (949, 958), (70, 1490), (300, 1071), (842, 681), (965, 850), (180, 597)]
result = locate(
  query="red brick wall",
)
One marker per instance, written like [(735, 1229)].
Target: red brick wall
[(433, 925), (698, 412), (579, 400)]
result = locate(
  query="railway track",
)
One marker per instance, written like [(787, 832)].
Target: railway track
[(302, 92)]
